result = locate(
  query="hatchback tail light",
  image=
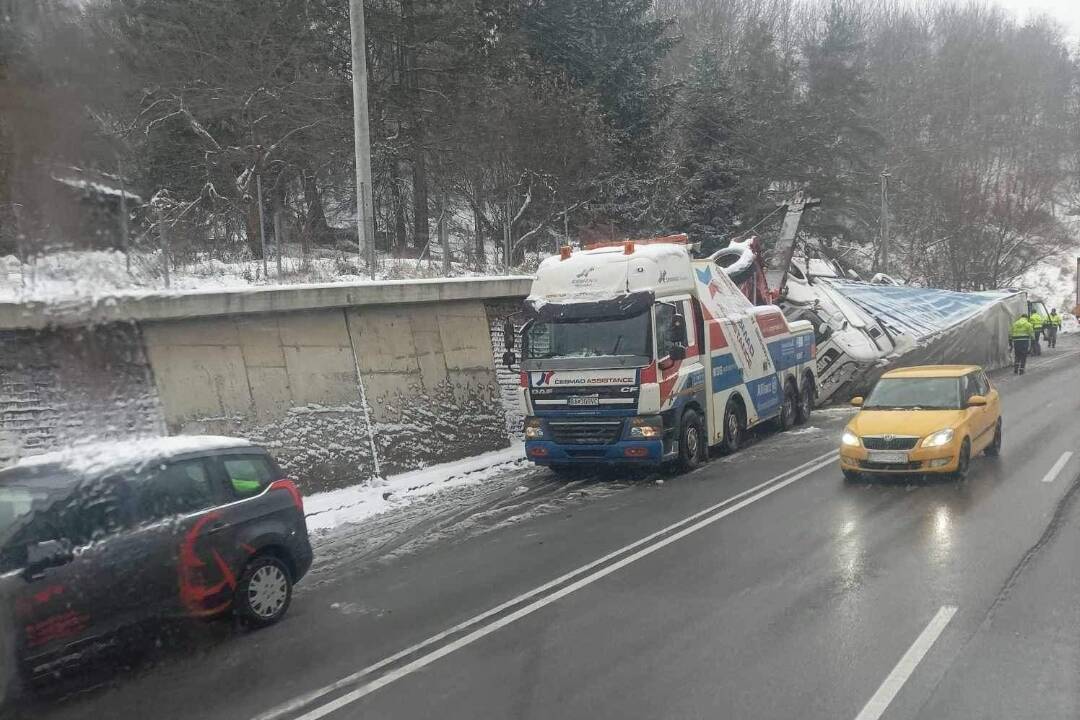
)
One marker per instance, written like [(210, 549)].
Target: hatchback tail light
[(290, 487)]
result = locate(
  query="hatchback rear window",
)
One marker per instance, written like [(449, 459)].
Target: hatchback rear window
[(248, 475)]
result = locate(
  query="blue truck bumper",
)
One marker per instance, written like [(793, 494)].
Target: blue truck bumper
[(639, 452)]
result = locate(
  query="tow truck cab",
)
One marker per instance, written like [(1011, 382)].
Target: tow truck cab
[(637, 353)]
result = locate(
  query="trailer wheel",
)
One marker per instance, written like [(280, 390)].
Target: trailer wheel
[(807, 396), (692, 441), (734, 426)]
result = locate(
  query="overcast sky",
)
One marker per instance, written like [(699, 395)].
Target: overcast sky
[(1066, 11)]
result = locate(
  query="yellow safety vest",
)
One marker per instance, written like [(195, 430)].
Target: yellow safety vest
[(1055, 319), (1021, 329)]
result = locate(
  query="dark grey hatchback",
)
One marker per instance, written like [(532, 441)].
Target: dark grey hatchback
[(102, 537)]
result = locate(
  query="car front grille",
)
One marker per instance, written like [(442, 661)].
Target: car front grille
[(895, 467), (598, 432), (889, 442)]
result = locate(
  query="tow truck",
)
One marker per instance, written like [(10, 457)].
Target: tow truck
[(636, 352)]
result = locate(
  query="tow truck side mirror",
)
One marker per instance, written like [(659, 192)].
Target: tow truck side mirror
[(509, 358), (678, 330), (678, 352)]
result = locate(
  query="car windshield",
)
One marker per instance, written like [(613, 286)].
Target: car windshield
[(915, 394), (627, 336)]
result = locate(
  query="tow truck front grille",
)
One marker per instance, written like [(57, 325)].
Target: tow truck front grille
[(597, 432), (889, 442)]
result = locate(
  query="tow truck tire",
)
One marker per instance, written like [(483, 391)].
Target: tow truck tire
[(807, 396), (691, 441), (734, 427), (788, 408)]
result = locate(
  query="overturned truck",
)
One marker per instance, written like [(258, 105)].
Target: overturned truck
[(864, 328)]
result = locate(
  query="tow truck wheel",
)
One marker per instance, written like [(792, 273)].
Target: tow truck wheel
[(788, 408), (806, 402), (691, 441), (733, 427)]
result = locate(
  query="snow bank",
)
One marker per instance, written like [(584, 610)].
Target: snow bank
[(94, 275), (355, 504)]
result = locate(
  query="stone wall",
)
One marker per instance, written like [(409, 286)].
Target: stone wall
[(340, 395), (63, 385)]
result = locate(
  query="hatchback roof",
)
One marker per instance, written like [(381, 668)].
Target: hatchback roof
[(931, 371), (98, 456)]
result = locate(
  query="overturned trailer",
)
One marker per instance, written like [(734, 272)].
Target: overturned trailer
[(864, 328)]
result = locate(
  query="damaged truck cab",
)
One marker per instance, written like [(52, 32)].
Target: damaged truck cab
[(635, 352)]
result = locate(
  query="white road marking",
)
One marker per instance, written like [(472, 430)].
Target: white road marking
[(751, 495), (879, 703), (1051, 476)]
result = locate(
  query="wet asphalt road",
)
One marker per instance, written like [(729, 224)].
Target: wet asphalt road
[(789, 596)]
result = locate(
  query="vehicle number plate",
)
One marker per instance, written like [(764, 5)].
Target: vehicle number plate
[(879, 456), (583, 401)]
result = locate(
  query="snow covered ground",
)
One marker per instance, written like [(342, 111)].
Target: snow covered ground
[(356, 504), (88, 275)]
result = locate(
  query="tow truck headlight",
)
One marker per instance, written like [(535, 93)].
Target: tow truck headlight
[(646, 428), (850, 439), (941, 437), (534, 429)]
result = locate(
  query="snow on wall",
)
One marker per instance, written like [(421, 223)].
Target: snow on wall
[(62, 386)]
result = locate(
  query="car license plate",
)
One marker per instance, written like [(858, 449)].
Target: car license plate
[(583, 401), (879, 456)]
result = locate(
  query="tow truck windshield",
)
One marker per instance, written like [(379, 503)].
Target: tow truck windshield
[(608, 337)]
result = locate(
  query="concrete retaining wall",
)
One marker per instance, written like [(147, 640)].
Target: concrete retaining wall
[(339, 394)]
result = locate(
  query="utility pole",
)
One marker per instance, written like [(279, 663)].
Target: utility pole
[(365, 225), (262, 227), (885, 175)]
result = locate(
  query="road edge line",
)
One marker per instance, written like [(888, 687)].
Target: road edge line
[(1052, 473), (888, 690)]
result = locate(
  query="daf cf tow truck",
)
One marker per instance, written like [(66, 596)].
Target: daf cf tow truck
[(636, 352)]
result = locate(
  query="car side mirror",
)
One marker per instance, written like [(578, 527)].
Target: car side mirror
[(44, 555), (857, 401), (976, 401)]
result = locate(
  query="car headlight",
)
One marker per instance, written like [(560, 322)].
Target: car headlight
[(645, 432), (534, 430), (850, 439), (941, 437)]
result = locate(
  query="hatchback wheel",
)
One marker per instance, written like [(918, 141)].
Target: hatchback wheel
[(264, 591), (994, 448), (964, 461)]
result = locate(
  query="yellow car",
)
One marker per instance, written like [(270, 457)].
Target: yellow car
[(928, 419)]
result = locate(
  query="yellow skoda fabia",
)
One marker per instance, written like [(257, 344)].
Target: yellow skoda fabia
[(928, 419)]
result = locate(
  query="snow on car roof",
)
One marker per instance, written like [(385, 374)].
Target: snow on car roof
[(103, 455)]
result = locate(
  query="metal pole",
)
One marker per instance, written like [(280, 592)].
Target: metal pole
[(885, 219), (365, 227), (1078, 284), (262, 227), (506, 236)]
